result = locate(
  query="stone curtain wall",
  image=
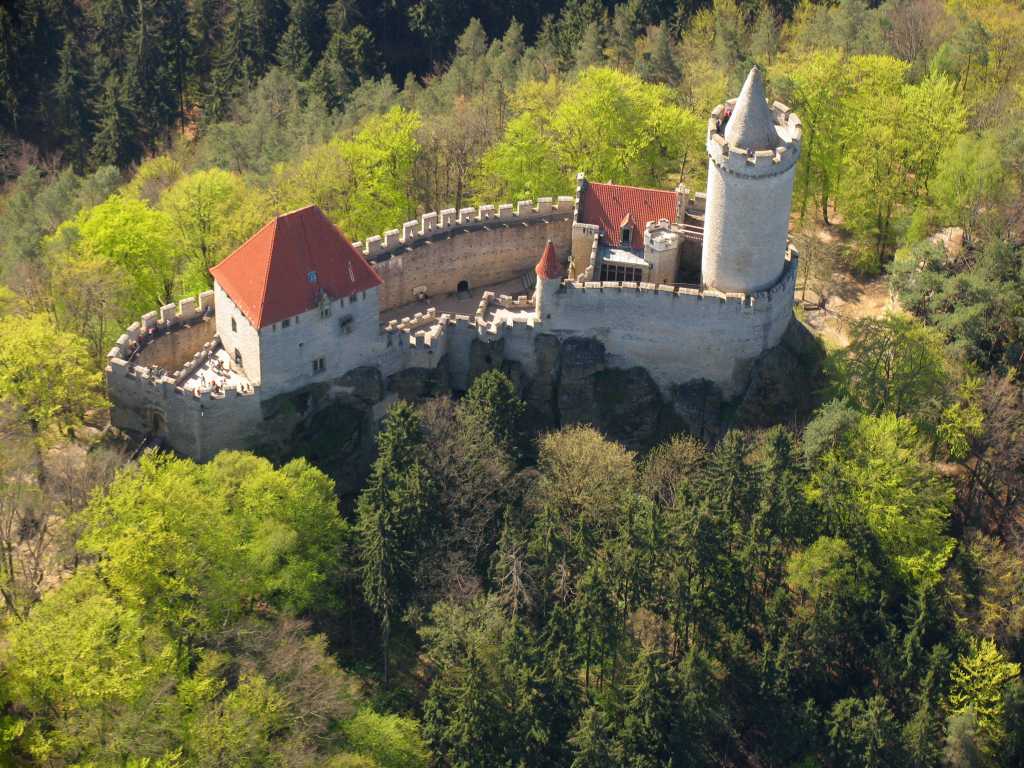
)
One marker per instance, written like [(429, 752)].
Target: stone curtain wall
[(678, 334), (481, 246), (144, 386)]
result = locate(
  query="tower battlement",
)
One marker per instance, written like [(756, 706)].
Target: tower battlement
[(741, 161)]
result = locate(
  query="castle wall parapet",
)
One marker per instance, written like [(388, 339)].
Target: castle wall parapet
[(380, 248), (763, 162), (155, 326), (480, 246)]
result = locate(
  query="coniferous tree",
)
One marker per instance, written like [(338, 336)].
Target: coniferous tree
[(231, 71), (393, 519), (150, 69), (625, 25), (115, 141), (71, 103), (659, 63), (591, 50), (491, 403), (293, 52)]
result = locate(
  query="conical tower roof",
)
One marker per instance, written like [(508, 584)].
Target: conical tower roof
[(752, 125), (548, 267)]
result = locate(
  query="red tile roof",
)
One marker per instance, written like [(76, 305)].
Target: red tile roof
[(281, 270), (548, 267), (609, 204)]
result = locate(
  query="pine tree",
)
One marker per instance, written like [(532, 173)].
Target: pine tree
[(230, 72), (71, 104), (293, 52), (650, 727), (491, 403), (591, 741), (393, 520), (591, 50), (261, 27), (659, 63), (625, 25), (115, 140), (150, 69)]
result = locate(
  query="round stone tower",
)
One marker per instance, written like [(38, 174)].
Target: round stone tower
[(549, 278), (752, 149)]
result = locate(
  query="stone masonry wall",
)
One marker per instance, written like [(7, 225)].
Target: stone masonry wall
[(678, 334), (145, 388), (480, 246)]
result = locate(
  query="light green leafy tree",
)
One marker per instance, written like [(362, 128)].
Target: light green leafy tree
[(193, 546), (153, 177), (876, 475), (46, 374), (212, 215), (816, 86), (363, 183), (78, 657), (978, 682), (972, 183), (894, 136), (391, 741), (894, 364), (141, 241), (607, 124)]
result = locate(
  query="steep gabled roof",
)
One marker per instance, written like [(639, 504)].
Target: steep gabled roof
[(610, 206), (752, 125), (284, 268), (548, 267)]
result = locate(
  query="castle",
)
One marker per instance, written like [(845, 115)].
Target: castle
[(688, 287)]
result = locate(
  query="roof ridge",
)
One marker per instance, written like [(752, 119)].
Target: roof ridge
[(266, 273), (630, 186)]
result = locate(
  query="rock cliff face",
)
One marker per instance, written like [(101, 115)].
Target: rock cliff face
[(332, 424)]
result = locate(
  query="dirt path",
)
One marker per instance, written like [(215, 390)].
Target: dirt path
[(845, 299)]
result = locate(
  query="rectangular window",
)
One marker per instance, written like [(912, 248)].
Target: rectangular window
[(626, 236), (238, 357), (319, 364), (286, 322), (234, 326), (614, 273)]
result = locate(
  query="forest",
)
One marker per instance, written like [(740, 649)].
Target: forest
[(841, 590)]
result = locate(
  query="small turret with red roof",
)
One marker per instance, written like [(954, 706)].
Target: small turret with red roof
[(549, 277), (549, 268)]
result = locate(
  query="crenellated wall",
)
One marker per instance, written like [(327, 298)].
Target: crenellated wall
[(480, 246), (677, 333), (147, 367)]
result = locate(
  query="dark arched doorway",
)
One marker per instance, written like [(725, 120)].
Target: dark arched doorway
[(463, 286), (158, 424)]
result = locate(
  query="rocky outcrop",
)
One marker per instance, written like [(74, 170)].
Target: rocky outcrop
[(783, 381), (698, 404), (420, 383), (333, 423)]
